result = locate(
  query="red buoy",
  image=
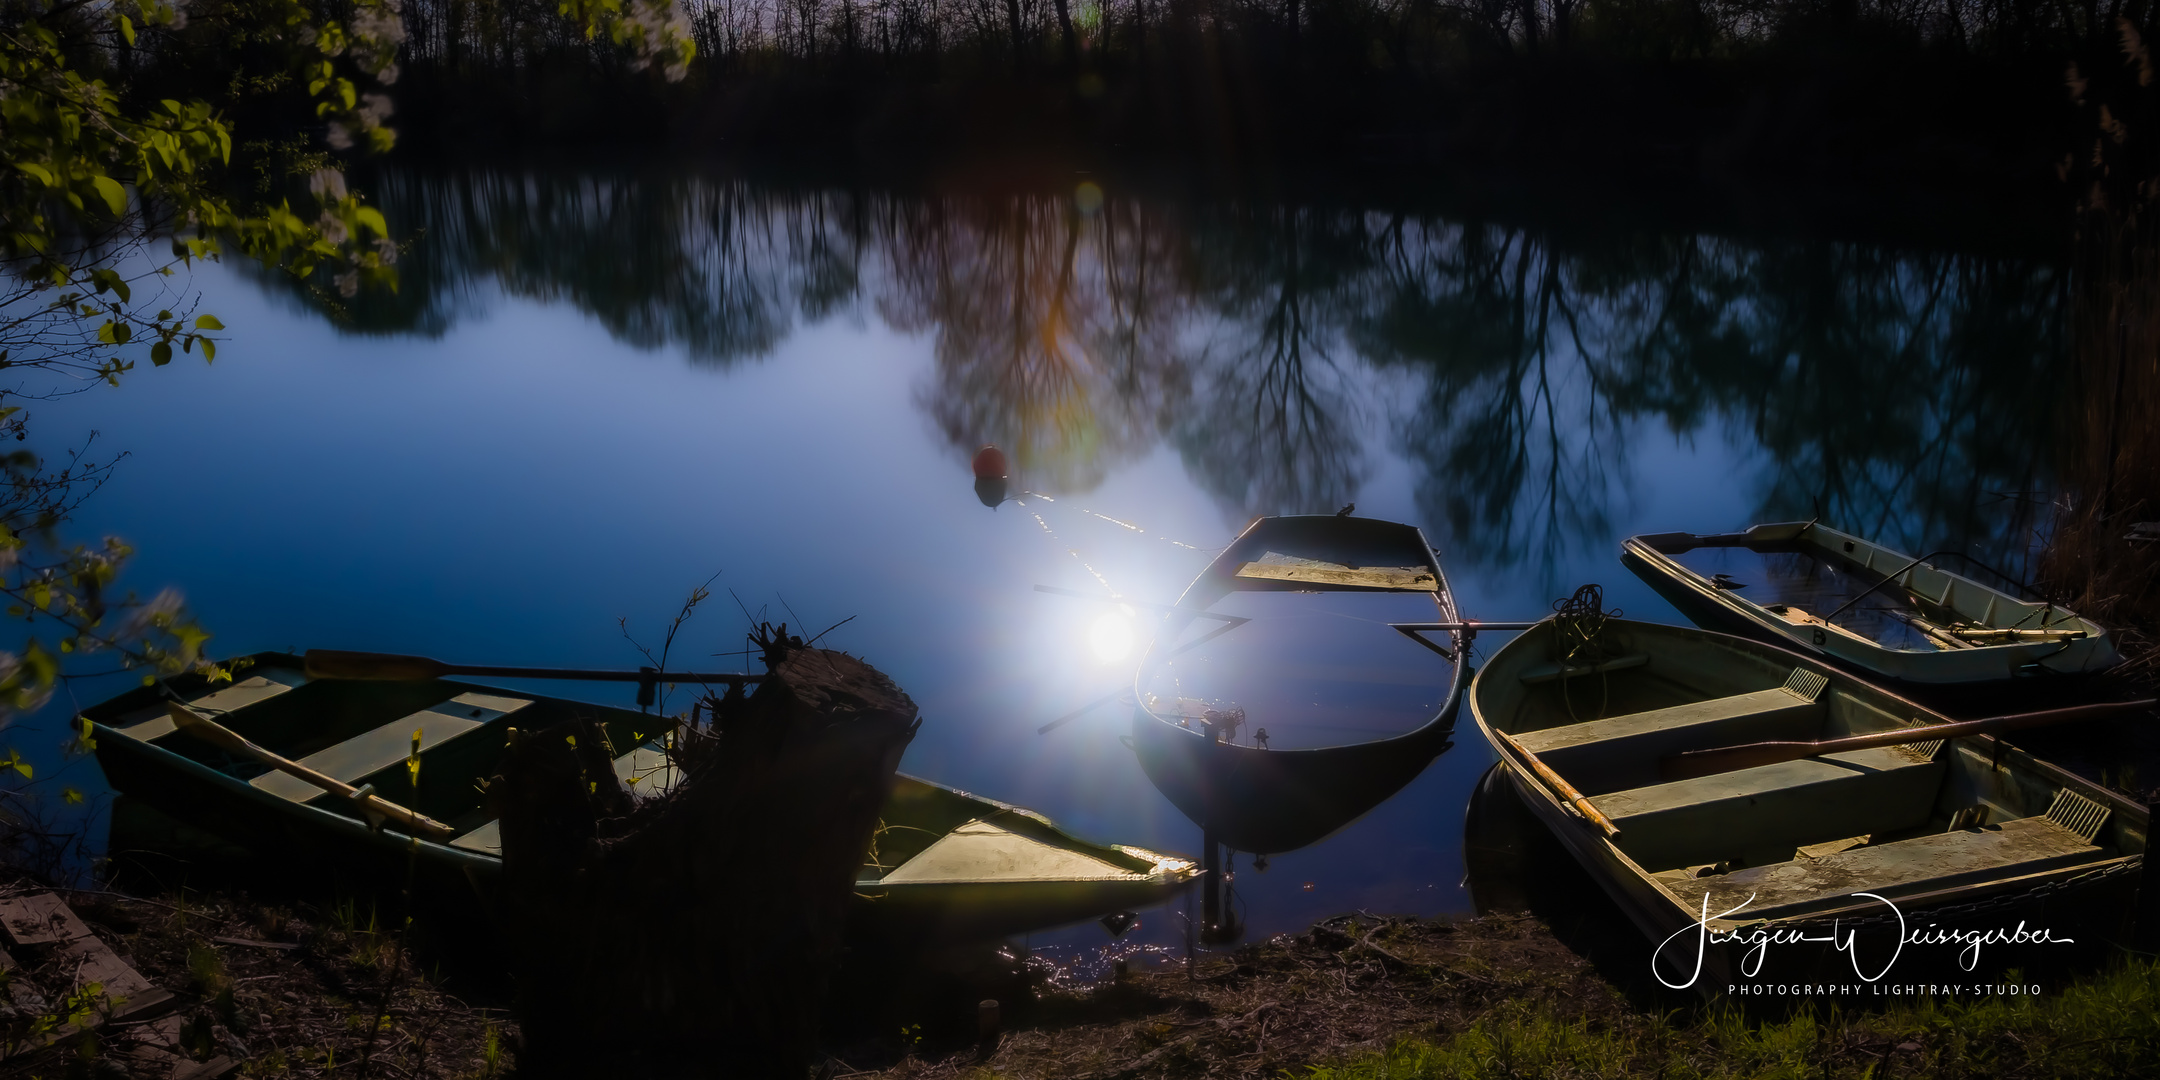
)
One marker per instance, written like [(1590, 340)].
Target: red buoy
[(990, 464)]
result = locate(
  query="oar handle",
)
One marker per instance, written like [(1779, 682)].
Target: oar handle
[(338, 664), (1694, 763), (218, 735)]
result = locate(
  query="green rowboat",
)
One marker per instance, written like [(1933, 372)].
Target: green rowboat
[(1815, 846), (1880, 613), (944, 865)]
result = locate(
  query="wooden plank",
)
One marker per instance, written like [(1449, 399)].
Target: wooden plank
[(154, 722), (158, 1053), (1400, 578), (40, 920), (128, 992), (371, 752)]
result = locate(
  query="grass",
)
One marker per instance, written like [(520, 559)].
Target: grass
[(2106, 1026)]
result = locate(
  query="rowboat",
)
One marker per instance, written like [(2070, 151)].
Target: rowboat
[(1877, 612), (1277, 769), (1589, 722), (943, 864)]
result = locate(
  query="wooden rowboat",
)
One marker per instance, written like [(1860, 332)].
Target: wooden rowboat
[(1880, 613), (1817, 846), (1216, 767), (944, 865)]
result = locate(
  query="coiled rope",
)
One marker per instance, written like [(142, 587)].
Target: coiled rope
[(1579, 630)]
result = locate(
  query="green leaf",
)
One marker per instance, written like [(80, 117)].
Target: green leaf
[(127, 30), (71, 795), (209, 350), (115, 196), (208, 322), (43, 174), (161, 354)]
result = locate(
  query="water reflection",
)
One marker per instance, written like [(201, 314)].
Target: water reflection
[(1897, 393)]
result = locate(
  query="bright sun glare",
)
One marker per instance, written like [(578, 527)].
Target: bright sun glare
[(1111, 637)]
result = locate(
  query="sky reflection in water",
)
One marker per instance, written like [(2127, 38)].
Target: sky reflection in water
[(592, 393)]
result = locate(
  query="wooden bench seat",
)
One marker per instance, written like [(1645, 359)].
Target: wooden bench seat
[(366, 754), (1622, 752), (2021, 846), (1761, 815), (153, 722)]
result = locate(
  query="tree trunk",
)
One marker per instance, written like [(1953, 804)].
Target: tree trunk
[(1012, 18), (692, 933), (1065, 27)]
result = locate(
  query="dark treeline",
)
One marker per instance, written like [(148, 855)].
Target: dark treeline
[(1960, 94), (1518, 368)]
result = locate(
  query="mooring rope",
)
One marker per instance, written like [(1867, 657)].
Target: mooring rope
[(1579, 629)]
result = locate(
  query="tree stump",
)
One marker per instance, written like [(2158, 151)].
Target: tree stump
[(692, 933)]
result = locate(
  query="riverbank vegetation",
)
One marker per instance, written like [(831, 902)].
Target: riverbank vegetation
[(285, 989)]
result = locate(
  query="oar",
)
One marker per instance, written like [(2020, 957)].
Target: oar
[(1696, 763), (338, 664), (1077, 594), (216, 734)]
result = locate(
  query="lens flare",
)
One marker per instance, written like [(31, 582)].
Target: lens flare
[(1111, 637)]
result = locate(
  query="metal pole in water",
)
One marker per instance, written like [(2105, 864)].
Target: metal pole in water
[(1210, 886)]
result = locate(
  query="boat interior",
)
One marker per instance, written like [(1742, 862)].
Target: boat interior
[(1812, 576), (1797, 835), (1298, 648), (364, 733)]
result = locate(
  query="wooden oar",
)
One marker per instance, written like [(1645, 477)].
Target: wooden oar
[(216, 734), (1078, 595), (338, 664), (1561, 787), (1694, 763)]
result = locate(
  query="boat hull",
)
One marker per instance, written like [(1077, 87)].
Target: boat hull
[(1250, 798), (1267, 801)]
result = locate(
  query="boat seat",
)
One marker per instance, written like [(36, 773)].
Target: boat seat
[(1761, 815), (980, 850), (645, 769), (1941, 860), (1623, 752), (153, 722), (367, 754)]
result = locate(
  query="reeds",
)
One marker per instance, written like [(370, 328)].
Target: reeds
[(2103, 554)]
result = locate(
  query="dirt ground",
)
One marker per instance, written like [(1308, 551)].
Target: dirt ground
[(300, 992)]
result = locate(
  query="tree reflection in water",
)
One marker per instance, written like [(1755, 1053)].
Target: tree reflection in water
[(1281, 349)]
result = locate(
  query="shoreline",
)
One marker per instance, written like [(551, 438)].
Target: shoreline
[(293, 991)]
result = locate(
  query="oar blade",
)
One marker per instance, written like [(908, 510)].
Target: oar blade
[(380, 667)]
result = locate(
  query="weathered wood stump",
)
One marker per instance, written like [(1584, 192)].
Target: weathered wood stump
[(692, 933)]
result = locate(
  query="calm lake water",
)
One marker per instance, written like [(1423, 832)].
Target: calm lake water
[(593, 393)]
